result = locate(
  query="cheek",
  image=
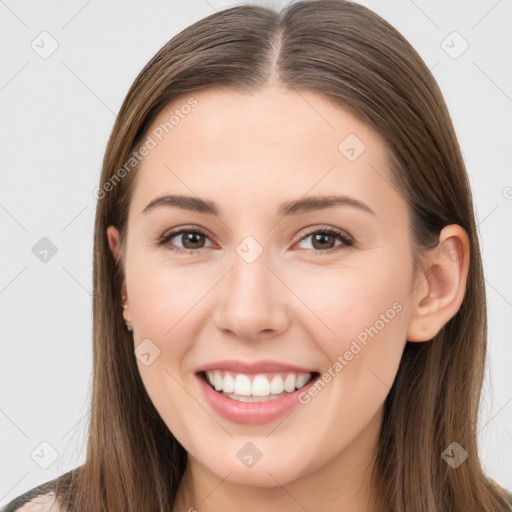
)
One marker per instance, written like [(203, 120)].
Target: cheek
[(163, 296), (164, 306), (359, 314), (166, 303)]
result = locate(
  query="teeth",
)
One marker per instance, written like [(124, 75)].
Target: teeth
[(217, 381), (228, 385), (289, 383), (302, 380), (242, 385), (276, 386), (260, 385), (251, 398)]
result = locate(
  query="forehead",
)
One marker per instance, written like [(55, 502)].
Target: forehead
[(230, 122), (269, 146)]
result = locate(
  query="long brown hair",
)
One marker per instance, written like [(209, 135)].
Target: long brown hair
[(351, 55)]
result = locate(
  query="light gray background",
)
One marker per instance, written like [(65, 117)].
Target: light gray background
[(57, 114)]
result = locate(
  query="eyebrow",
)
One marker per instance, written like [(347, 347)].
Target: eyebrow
[(294, 207)]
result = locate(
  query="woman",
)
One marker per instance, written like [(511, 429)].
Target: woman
[(289, 305)]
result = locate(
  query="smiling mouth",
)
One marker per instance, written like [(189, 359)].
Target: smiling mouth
[(260, 387)]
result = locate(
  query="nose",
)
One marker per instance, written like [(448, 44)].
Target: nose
[(253, 302)]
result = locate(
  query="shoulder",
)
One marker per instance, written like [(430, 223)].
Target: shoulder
[(40, 503), (38, 499), (42, 498)]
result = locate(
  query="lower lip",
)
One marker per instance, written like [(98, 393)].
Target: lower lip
[(252, 413)]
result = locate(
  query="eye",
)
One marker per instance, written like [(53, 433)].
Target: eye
[(324, 238), (192, 240)]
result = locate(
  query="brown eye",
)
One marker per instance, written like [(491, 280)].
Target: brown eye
[(324, 240), (191, 240)]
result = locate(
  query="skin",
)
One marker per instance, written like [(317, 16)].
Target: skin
[(248, 153)]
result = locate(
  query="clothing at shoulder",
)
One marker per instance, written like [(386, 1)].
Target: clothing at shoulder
[(37, 499), (41, 499)]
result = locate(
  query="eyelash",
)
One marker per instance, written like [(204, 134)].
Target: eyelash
[(347, 242)]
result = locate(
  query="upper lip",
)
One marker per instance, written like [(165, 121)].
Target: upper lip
[(262, 366)]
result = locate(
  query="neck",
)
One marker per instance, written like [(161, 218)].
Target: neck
[(343, 483)]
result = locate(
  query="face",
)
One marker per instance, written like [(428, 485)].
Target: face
[(323, 292)]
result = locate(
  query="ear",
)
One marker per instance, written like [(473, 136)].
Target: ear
[(113, 242), (440, 290)]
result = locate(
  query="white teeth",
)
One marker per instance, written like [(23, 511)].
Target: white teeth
[(261, 386), (276, 386), (239, 398), (289, 383), (243, 385), (229, 383), (302, 380), (218, 380)]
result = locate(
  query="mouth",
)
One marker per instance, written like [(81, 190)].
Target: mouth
[(256, 387)]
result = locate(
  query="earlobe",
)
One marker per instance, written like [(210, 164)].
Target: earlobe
[(439, 296)]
